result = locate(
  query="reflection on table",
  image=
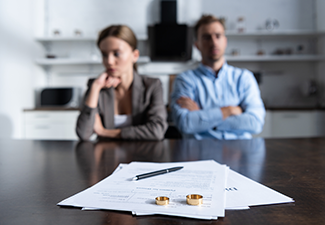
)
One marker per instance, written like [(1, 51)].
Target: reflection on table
[(98, 160), (244, 156)]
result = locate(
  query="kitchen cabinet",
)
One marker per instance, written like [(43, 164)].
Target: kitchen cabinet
[(60, 124), (293, 124), (50, 124)]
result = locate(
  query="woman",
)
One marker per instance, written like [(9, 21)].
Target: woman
[(120, 103)]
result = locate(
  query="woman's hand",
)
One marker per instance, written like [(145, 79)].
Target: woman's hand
[(101, 82), (98, 126), (100, 130), (105, 81)]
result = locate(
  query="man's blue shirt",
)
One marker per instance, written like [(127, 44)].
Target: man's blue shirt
[(232, 87)]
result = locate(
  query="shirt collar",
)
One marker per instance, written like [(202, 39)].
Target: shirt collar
[(209, 72)]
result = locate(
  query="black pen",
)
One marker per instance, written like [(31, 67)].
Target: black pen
[(155, 173)]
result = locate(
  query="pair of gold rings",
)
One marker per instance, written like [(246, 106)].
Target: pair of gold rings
[(193, 199)]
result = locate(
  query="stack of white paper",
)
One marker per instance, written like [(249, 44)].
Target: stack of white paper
[(220, 187)]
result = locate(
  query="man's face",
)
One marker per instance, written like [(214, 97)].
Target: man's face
[(211, 41)]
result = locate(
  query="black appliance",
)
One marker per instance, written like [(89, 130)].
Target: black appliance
[(67, 97), (168, 40)]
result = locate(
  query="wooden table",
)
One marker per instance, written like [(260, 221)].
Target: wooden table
[(36, 175)]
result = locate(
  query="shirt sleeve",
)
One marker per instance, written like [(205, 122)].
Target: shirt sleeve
[(190, 122), (252, 118)]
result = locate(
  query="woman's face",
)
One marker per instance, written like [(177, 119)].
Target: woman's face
[(118, 56)]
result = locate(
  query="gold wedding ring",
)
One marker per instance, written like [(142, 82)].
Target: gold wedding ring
[(162, 200), (194, 199)]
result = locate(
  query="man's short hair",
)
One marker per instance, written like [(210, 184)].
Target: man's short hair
[(207, 19)]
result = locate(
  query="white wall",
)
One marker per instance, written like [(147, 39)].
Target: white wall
[(16, 64), (291, 14), (320, 25), (91, 16), (320, 16), (23, 20)]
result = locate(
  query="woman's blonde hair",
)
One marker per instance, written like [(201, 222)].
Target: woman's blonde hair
[(122, 32)]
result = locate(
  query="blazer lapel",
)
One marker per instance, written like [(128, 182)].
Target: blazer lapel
[(109, 108), (137, 94)]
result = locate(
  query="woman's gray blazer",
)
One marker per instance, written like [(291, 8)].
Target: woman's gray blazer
[(149, 116)]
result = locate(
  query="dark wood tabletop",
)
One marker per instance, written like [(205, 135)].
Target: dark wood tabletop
[(36, 175)]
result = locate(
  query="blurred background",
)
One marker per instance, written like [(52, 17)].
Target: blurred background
[(50, 45)]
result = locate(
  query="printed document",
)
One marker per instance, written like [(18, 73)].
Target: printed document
[(220, 187), (120, 192)]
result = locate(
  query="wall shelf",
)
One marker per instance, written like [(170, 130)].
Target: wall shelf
[(249, 34), (266, 34), (50, 39), (274, 58), (140, 37), (80, 61)]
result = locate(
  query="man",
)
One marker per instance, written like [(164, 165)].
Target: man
[(216, 100)]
